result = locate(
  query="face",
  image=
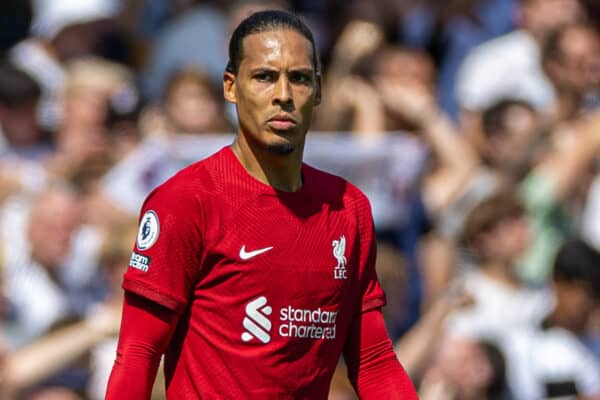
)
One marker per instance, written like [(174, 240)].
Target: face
[(574, 303), (580, 65), (510, 150), (543, 16), (19, 125), (53, 221), (275, 90), (193, 108), (464, 365), (507, 241)]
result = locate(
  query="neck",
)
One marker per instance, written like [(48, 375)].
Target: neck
[(283, 172), (567, 104), (500, 272)]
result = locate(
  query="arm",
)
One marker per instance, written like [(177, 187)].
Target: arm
[(50, 354), (456, 159), (358, 40), (373, 368), (565, 165), (416, 347), (146, 330)]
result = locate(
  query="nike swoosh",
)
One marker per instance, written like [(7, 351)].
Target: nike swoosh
[(246, 255)]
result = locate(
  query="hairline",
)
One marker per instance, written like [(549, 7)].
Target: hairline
[(272, 28)]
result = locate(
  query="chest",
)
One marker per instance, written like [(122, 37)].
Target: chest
[(266, 248)]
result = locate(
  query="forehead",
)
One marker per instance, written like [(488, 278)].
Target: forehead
[(580, 40), (278, 47)]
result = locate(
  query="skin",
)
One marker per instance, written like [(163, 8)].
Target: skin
[(275, 90)]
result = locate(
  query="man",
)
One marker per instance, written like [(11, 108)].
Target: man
[(252, 271), (497, 234), (548, 360)]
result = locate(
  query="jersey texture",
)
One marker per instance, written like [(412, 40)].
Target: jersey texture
[(267, 282)]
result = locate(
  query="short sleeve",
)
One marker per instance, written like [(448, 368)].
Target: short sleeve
[(372, 294), (166, 257)]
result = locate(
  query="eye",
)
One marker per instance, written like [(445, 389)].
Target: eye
[(264, 76), (300, 77)]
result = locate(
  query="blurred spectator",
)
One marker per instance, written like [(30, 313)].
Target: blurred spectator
[(114, 258), (510, 66), (198, 37), (50, 270), (15, 20), (62, 31), (19, 98), (192, 104), (339, 110), (513, 132), (511, 136), (89, 341), (571, 59), (548, 360), (51, 17), (551, 164), (93, 87), (465, 369), (449, 30), (496, 231), (531, 125)]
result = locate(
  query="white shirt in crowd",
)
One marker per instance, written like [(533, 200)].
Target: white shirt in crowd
[(505, 67), (549, 363), (498, 309)]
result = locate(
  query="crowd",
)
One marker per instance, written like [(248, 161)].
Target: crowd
[(472, 125)]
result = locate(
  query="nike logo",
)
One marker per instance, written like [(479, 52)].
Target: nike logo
[(246, 255)]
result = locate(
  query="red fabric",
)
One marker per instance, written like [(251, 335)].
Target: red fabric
[(272, 324), (146, 329), (372, 365)]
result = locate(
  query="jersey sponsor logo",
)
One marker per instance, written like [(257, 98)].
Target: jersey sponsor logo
[(246, 255), (148, 231), (302, 323), (139, 261), (255, 322), (339, 252), (307, 323)]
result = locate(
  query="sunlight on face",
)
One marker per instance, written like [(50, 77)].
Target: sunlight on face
[(275, 90)]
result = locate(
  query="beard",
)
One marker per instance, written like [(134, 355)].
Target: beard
[(281, 149)]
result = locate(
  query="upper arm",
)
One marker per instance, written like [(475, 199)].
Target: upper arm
[(371, 293), (166, 257)]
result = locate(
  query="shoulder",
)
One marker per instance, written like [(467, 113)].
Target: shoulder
[(190, 183), (337, 189), (505, 44)]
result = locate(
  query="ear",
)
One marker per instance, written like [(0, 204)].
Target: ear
[(229, 87), (318, 88)]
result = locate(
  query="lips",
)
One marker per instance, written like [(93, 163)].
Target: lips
[(282, 122)]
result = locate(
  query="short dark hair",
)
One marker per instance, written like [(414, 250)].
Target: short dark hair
[(17, 88), (264, 21), (486, 215), (494, 118), (577, 261), (553, 47)]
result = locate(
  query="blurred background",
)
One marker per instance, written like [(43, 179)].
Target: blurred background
[(472, 125)]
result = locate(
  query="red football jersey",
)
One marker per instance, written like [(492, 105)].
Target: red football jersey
[(268, 282)]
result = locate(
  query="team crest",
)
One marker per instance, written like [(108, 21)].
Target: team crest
[(148, 231), (339, 252)]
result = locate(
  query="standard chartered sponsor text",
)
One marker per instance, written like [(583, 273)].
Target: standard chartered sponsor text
[(306, 323)]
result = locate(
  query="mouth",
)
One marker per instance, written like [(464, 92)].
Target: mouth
[(282, 122)]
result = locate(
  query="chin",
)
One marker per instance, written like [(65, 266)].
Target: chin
[(281, 149)]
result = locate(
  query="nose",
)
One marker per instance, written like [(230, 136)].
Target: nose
[(282, 94)]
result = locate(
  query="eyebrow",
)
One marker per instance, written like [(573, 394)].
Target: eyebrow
[(308, 70)]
